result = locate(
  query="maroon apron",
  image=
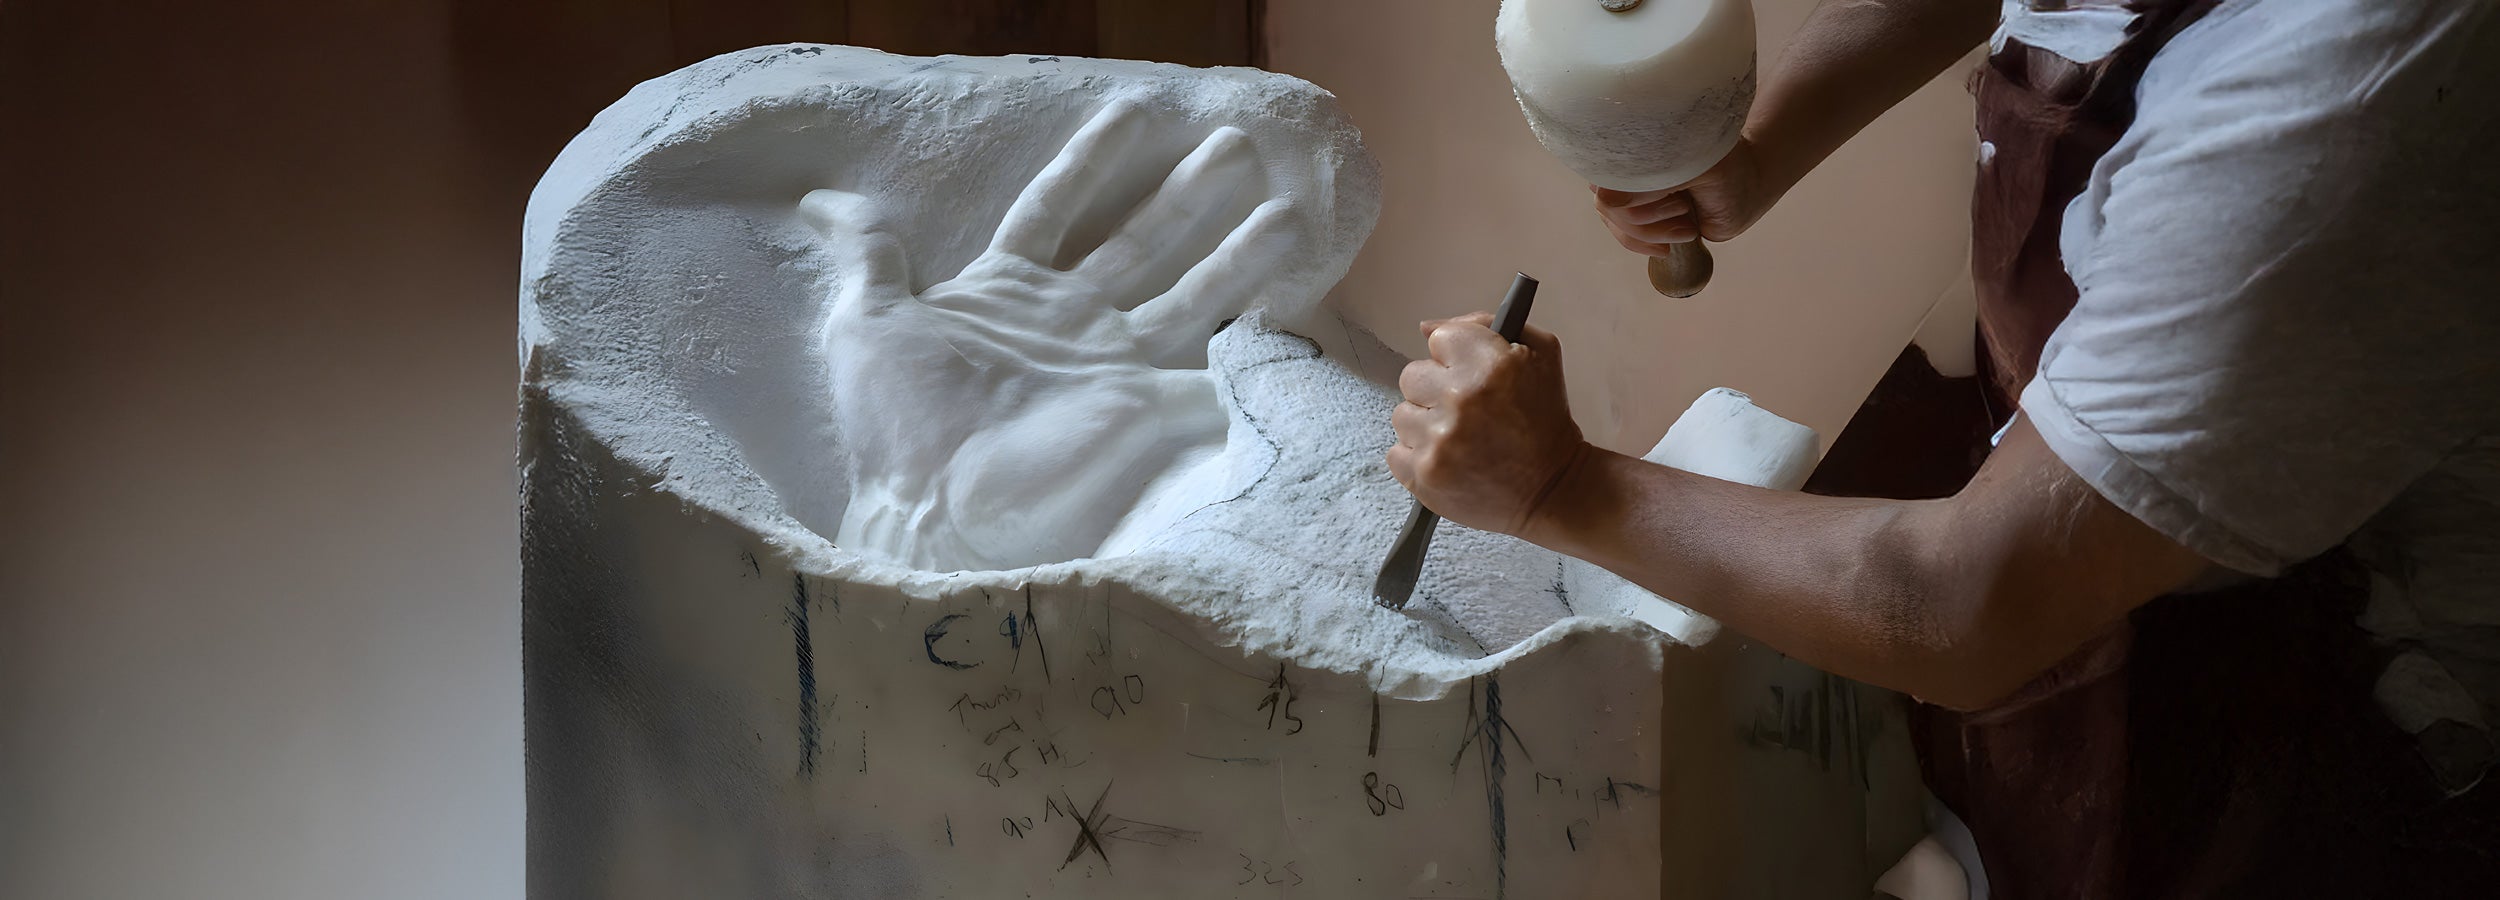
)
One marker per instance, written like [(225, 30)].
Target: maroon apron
[(2217, 744)]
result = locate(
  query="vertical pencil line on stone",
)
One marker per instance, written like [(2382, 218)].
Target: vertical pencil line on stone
[(1494, 769), (811, 737)]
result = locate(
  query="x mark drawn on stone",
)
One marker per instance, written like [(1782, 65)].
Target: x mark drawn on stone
[(1086, 838)]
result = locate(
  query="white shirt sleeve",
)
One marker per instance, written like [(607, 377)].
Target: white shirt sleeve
[(2289, 271)]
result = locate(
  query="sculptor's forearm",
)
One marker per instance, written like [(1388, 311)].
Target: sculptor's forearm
[(1849, 62), (1957, 601), (1828, 580)]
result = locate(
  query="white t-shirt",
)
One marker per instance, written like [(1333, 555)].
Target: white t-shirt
[(2288, 334)]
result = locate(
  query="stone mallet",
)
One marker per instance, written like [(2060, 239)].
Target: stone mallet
[(1634, 96), (1406, 558)]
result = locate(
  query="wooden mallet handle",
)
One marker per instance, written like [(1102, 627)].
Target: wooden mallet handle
[(1684, 271)]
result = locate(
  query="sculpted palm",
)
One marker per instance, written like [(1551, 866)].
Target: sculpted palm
[(1021, 411)]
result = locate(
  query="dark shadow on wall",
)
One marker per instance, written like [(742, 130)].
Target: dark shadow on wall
[(530, 75)]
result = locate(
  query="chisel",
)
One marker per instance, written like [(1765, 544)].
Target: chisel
[(1406, 559)]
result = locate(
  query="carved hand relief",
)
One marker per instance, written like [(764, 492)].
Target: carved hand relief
[(944, 479), (1057, 385)]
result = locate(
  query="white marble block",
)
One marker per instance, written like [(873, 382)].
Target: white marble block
[(942, 478)]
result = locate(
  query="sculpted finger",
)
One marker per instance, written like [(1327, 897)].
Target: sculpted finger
[(869, 256), (1037, 224), (1174, 326), (1181, 224)]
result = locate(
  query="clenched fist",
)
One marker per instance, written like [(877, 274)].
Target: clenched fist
[(1485, 432), (1719, 205)]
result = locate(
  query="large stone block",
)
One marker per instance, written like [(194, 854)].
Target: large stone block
[(893, 528)]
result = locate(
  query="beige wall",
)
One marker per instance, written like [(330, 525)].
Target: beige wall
[(1807, 308), (258, 570)]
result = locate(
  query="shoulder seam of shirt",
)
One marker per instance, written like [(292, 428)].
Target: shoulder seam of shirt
[(2119, 479)]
